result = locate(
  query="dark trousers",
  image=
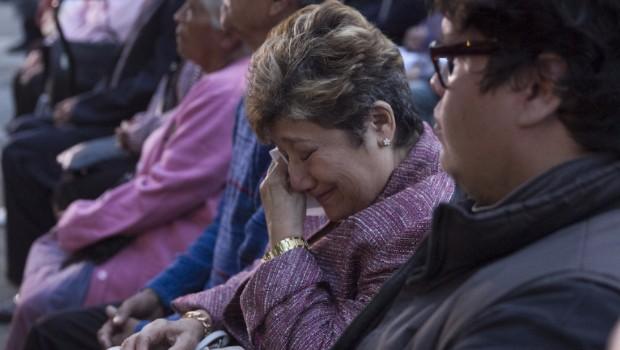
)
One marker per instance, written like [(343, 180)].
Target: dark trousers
[(30, 173), (26, 93), (70, 330)]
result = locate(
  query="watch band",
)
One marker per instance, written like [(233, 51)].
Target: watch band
[(284, 246), (201, 316)]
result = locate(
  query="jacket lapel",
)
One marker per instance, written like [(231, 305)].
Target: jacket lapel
[(149, 9)]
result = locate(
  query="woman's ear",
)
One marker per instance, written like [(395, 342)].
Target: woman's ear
[(382, 121)]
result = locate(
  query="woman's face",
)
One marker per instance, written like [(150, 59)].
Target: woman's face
[(328, 165)]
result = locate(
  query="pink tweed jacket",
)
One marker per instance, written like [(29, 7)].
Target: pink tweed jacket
[(304, 299)]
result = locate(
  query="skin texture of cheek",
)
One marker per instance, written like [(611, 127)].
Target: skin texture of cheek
[(241, 14), (353, 192)]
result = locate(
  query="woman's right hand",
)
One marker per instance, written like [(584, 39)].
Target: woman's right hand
[(183, 334), (284, 208)]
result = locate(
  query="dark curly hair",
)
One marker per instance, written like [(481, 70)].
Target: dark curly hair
[(584, 33)]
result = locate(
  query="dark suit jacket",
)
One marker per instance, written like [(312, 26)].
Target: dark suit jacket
[(145, 58)]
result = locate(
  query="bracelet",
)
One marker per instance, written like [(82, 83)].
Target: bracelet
[(284, 246), (201, 316)]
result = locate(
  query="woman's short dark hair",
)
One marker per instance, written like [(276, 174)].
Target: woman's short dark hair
[(327, 64), (584, 33)]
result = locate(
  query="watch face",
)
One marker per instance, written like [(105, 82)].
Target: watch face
[(199, 315)]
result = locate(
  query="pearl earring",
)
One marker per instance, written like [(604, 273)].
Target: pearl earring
[(386, 142)]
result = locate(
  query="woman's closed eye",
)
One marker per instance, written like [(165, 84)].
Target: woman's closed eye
[(284, 155), (306, 155)]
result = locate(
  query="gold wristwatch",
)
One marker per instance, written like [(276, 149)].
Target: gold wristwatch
[(201, 316), (284, 246)]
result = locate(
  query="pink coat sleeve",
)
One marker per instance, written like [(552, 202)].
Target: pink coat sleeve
[(192, 167)]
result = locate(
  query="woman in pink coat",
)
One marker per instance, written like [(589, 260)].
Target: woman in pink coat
[(104, 250)]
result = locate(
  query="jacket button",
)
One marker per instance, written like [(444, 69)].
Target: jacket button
[(102, 275)]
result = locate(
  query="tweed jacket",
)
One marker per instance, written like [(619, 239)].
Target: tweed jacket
[(304, 299), (173, 196)]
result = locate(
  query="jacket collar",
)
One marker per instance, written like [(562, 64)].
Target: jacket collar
[(463, 239), (421, 162)]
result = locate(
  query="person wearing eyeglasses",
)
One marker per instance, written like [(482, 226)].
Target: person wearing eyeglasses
[(529, 122)]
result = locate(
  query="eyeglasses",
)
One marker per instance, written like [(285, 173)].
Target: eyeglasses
[(443, 55)]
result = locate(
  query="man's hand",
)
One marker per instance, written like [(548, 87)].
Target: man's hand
[(63, 110), (112, 335), (122, 321)]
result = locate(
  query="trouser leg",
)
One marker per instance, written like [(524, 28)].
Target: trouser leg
[(30, 173), (71, 330)]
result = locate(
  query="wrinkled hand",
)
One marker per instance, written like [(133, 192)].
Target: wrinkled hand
[(183, 334), (122, 136), (284, 209), (122, 321), (111, 334), (132, 133), (63, 110)]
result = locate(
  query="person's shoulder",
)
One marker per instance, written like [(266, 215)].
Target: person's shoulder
[(565, 313), (232, 76)]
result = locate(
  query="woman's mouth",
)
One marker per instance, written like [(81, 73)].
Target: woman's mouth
[(324, 196)]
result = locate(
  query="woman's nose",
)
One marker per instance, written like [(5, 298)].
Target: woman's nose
[(436, 85), (299, 177)]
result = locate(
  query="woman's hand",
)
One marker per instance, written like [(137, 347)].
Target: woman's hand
[(285, 210), (184, 334)]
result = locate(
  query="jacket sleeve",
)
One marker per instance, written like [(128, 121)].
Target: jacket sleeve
[(216, 299), (288, 303), (149, 60), (573, 314), (192, 167)]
